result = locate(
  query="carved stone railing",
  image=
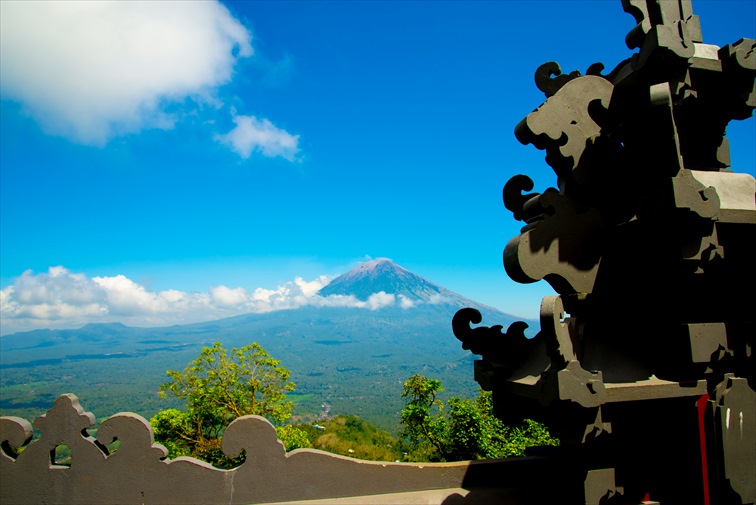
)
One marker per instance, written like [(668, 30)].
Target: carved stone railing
[(138, 472)]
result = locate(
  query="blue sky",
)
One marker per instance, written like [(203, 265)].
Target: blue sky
[(171, 162)]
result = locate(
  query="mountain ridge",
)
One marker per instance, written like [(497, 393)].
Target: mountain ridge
[(353, 358), (363, 281), (384, 275)]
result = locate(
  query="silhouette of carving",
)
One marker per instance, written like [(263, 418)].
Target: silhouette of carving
[(644, 239)]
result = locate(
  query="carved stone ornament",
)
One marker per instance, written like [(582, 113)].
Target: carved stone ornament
[(138, 472), (648, 239)]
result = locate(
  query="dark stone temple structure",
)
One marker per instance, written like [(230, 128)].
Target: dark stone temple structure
[(649, 241), (644, 363)]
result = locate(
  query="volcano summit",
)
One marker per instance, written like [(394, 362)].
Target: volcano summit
[(382, 274)]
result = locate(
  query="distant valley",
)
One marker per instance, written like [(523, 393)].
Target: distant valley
[(344, 360)]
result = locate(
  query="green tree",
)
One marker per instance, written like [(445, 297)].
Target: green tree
[(218, 387), (293, 437), (423, 417), (173, 429), (354, 437), (466, 430)]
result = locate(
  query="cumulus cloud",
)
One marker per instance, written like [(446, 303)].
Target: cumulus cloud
[(124, 297), (437, 298), (260, 135), (379, 300), (89, 71), (405, 302), (60, 298), (228, 297), (310, 289)]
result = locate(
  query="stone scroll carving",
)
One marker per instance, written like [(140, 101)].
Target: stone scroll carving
[(648, 239)]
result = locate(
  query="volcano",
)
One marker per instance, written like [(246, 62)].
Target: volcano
[(352, 358), (383, 275)]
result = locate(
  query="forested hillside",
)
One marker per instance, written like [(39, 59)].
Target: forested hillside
[(344, 360)]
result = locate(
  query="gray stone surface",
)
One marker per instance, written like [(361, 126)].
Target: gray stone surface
[(138, 472)]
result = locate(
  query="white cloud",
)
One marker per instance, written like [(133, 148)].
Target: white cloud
[(60, 298), (437, 298), (125, 297), (311, 288), (228, 297), (379, 300), (8, 307), (58, 286), (89, 71), (55, 295), (405, 302), (337, 301), (260, 135)]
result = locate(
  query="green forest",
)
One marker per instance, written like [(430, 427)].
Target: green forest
[(220, 386), (193, 407), (341, 361)]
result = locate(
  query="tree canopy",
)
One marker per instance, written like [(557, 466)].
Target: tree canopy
[(218, 387), (221, 385), (463, 429)]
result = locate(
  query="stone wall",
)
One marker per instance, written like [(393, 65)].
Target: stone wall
[(138, 472)]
